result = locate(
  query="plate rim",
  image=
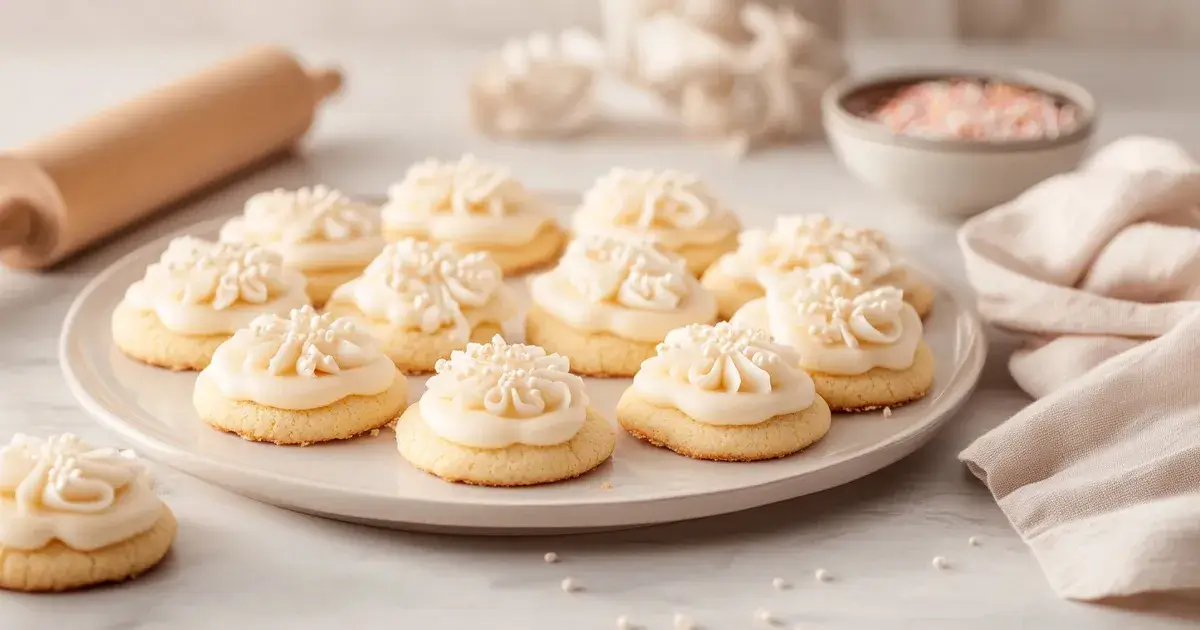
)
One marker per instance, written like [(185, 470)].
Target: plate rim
[(194, 464)]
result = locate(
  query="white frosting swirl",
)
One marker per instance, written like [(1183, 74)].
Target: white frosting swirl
[(724, 375), (806, 241), (624, 287), (303, 362), (63, 489), (427, 287), (201, 288), (837, 324), (671, 208), (496, 395), (467, 202), (311, 228)]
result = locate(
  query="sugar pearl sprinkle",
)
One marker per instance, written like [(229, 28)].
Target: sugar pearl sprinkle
[(780, 584), (765, 617), (683, 622), (569, 585), (823, 575), (939, 562), (974, 541), (550, 557), (969, 109), (623, 623)]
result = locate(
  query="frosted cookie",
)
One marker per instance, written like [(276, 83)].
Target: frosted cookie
[(501, 414), (609, 302), (423, 301), (863, 347), (724, 393), (475, 207), (675, 211), (300, 380), (196, 296), (318, 231), (73, 516), (804, 242)]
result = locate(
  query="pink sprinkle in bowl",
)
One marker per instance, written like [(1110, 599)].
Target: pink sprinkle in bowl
[(950, 176)]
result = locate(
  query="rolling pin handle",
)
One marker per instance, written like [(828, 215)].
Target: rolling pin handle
[(16, 223), (326, 82)]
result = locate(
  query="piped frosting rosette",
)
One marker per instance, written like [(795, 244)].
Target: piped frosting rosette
[(302, 361), (836, 323), (202, 288), (467, 202), (495, 395), (725, 375), (807, 241), (623, 287), (672, 209), (434, 289), (311, 228), (63, 489)]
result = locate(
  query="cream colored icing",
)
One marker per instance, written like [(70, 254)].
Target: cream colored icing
[(311, 228), (805, 241), (724, 375), (623, 287), (430, 288), (837, 324), (202, 288), (467, 201), (61, 488), (671, 208), (498, 394), (305, 361)]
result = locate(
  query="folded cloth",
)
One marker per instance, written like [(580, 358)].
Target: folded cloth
[(1099, 271)]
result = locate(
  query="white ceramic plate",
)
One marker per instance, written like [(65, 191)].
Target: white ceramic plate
[(365, 480)]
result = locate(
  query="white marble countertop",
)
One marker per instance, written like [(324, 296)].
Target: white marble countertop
[(241, 564)]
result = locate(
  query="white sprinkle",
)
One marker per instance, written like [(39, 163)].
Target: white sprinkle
[(940, 563), (623, 623), (887, 412), (683, 622), (780, 584), (973, 541), (550, 558), (764, 616), (823, 576), (569, 585)]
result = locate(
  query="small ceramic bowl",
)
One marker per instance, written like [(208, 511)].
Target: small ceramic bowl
[(949, 176)]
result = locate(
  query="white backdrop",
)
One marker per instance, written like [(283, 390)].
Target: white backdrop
[(1109, 22)]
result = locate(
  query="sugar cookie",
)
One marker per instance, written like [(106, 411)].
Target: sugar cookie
[(305, 379), (475, 207), (724, 393), (676, 211), (610, 301), (503, 414), (318, 231), (196, 296), (423, 301), (863, 347), (73, 516), (803, 242)]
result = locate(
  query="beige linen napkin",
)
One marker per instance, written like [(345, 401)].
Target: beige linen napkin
[(1099, 270)]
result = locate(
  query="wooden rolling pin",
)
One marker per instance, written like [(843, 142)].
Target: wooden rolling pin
[(66, 191)]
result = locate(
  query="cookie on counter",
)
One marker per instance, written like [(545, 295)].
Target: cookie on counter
[(196, 296), (423, 301), (500, 414), (610, 301), (676, 211), (318, 231), (73, 516), (724, 393), (805, 241), (302, 379), (862, 346), (475, 207)]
